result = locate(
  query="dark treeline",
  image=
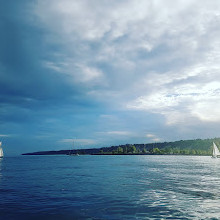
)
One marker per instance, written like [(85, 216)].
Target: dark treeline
[(182, 147)]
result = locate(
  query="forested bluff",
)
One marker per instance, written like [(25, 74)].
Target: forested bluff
[(182, 147)]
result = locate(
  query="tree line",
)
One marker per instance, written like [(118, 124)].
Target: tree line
[(182, 147), (156, 151)]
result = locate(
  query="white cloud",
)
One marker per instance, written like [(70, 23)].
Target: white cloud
[(153, 137), (193, 93), (150, 135), (78, 141), (158, 56), (79, 73), (89, 73), (185, 28), (4, 135), (156, 139), (118, 133)]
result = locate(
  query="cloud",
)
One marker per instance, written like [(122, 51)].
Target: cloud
[(195, 93), (78, 141), (103, 42), (150, 135), (5, 135), (79, 73), (153, 137), (118, 133), (119, 67)]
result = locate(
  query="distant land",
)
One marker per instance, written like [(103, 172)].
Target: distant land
[(182, 147)]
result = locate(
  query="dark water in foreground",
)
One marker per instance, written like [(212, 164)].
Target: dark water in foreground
[(109, 187)]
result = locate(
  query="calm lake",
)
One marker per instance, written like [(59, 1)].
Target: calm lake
[(109, 187)]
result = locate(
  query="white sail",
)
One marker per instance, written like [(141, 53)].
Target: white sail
[(1, 151), (215, 151)]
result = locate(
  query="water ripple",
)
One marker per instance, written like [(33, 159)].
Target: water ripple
[(122, 187)]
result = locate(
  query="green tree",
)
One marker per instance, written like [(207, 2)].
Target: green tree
[(120, 150), (144, 151), (138, 151), (176, 151), (125, 150), (193, 152), (133, 149), (114, 152), (168, 150), (156, 151)]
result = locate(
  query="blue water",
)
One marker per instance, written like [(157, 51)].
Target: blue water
[(109, 187)]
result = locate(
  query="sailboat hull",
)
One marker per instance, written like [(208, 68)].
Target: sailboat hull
[(215, 157), (73, 154)]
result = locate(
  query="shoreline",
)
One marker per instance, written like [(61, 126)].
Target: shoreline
[(115, 155)]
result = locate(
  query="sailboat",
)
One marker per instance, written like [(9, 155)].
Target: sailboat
[(215, 151), (71, 153), (1, 151)]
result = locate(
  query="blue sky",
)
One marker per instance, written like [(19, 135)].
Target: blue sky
[(107, 72)]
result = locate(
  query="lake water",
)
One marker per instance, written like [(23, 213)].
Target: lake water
[(109, 187)]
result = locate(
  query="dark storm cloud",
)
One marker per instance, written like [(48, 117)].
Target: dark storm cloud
[(24, 80)]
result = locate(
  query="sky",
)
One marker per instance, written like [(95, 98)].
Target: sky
[(106, 73)]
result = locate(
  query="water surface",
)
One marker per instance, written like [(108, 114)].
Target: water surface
[(109, 187)]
